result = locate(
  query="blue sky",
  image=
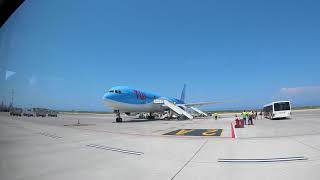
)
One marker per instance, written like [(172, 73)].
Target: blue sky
[(66, 54)]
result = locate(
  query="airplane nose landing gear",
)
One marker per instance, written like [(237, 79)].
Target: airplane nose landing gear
[(118, 119)]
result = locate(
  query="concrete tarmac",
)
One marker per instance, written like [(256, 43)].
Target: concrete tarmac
[(98, 148)]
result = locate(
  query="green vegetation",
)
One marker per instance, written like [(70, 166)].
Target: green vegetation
[(225, 111), (306, 107), (239, 111)]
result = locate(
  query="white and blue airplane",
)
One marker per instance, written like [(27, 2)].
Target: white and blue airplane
[(123, 99)]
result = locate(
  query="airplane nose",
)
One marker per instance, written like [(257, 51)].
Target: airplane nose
[(106, 96), (109, 96)]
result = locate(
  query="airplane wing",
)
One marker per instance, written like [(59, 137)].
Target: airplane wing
[(199, 104), (203, 103)]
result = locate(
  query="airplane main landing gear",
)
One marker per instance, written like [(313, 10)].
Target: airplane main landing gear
[(151, 116), (118, 119)]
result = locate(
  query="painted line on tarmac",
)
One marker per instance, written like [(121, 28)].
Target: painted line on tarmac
[(115, 149), (50, 135), (203, 144), (196, 132), (299, 158)]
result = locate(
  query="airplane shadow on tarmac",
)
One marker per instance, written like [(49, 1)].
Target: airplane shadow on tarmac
[(139, 120)]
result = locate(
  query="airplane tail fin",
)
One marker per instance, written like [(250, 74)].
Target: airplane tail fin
[(183, 93)]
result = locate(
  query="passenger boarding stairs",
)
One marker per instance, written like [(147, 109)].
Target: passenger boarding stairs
[(173, 107), (199, 111)]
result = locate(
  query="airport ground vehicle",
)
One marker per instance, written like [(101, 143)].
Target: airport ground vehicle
[(16, 112), (53, 114), (40, 112), (28, 112), (279, 109)]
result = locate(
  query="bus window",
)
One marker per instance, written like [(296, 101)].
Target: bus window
[(282, 106)]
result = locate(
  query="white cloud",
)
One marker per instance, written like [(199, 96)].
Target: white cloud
[(32, 80), (303, 95), (293, 91), (9, 74)]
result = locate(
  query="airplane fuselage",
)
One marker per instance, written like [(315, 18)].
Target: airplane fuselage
[(126, 99)]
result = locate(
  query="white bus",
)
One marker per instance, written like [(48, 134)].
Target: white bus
[(279, 109)]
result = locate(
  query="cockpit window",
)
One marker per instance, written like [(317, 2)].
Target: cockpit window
[(115, 91)]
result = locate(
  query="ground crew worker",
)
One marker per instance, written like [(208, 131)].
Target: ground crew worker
[(244, 117), (215, 116), (254, 116), (250, 121)]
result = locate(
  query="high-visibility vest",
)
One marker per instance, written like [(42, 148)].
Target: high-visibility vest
[(243, 114)]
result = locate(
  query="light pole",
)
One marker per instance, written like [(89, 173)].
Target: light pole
[(12, 94)]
